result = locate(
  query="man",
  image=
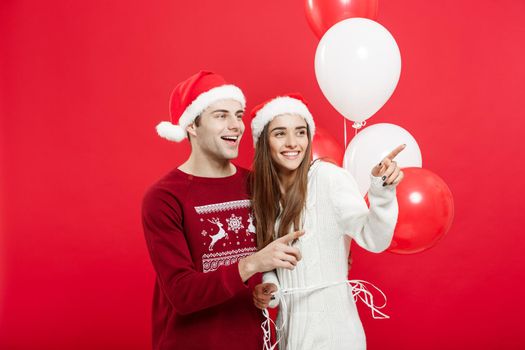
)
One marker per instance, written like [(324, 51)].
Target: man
[(199, 228)]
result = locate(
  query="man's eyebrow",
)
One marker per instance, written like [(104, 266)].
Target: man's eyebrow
[(226, 111)]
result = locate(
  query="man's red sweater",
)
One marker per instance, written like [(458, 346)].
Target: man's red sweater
[(196, 230)]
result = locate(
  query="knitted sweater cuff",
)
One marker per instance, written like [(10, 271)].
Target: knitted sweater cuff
[(376, 186), (232, 280)]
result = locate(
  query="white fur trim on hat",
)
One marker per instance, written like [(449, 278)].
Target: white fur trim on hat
[(171, 132), (279, 106), (177, 133)]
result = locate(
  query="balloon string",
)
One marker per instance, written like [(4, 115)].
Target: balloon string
[(344, 127)]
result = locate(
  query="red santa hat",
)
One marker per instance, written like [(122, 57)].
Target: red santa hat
[(287, 104), (191, 97)]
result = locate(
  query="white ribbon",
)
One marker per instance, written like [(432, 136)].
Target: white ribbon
[(359, 291)]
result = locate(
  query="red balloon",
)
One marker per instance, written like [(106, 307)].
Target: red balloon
[(322, 14), (325, 147), (426, 211)]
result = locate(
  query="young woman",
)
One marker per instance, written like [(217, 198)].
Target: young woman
[(317, 307)]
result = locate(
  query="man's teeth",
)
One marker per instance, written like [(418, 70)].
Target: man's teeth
[(230, 138)]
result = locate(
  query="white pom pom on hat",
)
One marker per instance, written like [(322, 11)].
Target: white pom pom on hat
[(171, 132), (292, 103), (191, 97)]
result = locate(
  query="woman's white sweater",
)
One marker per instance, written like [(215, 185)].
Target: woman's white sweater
[(335, 214)]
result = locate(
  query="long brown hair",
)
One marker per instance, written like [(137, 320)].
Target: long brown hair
[(266, 193)]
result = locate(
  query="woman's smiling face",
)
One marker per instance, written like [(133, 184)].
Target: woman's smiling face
[(288, 140)]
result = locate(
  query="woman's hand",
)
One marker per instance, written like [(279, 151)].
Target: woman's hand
[(388, 169), (262, 294), (278, 254)]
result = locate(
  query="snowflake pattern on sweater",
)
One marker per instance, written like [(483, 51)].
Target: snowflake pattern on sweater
[(214, 230)]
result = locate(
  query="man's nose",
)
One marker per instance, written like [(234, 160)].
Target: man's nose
[(234, 123)]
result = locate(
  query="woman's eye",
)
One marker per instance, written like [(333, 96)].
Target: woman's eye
[(279, 134)]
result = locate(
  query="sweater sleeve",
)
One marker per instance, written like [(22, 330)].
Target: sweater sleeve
[(372, 228), (271, 277), (187, 289)]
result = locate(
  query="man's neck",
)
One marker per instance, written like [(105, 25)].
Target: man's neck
[(202, 166)]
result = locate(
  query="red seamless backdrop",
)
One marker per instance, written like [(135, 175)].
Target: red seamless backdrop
[(83, 84)]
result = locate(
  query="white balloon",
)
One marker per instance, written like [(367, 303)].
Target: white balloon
[(357, 65), (374, 143)]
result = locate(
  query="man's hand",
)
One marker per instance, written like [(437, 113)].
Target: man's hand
[(262, 294), (279, 253)]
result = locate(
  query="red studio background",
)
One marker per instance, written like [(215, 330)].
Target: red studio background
[(83, 85)]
